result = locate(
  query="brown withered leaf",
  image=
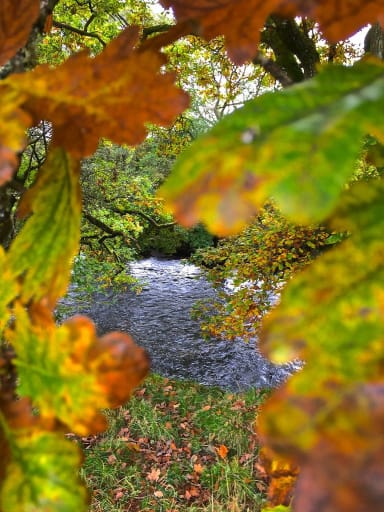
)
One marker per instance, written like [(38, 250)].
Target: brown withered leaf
[(153, 475), (337, 20), (241, 22), (112, 95), (16, 20)]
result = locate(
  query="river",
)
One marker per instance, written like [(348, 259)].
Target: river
[(159, 319)]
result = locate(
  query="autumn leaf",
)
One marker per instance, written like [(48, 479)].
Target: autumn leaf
[(70, 373), (42, 475), (349, 444), (192, 492), (278, 508), (12, 132), (284, 145), (337, 20), (349, 304), (336, 423), (222, 451), (153, 475), (281, 476), (120, 91), (198, 468), (50, 236), (8, 291), (241, 22), (16, 21)]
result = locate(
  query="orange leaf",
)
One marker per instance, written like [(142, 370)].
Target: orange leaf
[(16, 20), (192, 492), (343, 470), (198, 468), (120, 364), (337, 20), (281, 476), (112, 95), (241, 22), (222, 451), (80, 373)]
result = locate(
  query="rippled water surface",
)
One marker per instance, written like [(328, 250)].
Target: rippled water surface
[(159, 319)]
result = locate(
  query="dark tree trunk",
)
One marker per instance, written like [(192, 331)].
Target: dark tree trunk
[(374, 41)]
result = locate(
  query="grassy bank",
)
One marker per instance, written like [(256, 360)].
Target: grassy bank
[(177, 446)]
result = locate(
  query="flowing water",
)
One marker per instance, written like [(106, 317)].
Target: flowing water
[(159, 319)]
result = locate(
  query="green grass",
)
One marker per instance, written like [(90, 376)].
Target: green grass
[(177, 446)]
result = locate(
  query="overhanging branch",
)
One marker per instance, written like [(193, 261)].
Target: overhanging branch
[(85, 33), (130, 211)]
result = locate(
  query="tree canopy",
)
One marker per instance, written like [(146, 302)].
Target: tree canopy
[(77, 72)]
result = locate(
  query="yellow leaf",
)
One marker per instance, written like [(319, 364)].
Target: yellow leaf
[(41, 256)]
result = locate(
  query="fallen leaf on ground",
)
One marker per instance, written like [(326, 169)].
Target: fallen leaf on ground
[(153, 475)]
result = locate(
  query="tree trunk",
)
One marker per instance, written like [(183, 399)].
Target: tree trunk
[(374, 41)]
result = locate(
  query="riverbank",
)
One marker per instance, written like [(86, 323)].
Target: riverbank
[(177, 446)]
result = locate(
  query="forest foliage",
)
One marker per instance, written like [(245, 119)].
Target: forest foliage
[(298, 146)]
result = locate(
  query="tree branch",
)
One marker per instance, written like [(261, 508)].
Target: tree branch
[(155, 29), (131, 211), (273, 69), (104, 227), (111, 233), (65, 26)]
